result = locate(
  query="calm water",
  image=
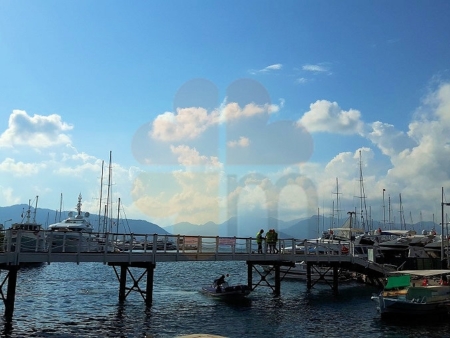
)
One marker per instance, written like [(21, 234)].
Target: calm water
[(69, 300)]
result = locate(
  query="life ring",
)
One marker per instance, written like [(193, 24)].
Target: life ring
[(344, 250)]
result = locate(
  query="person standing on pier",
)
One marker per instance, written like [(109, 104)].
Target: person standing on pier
[(259, 240), (275, 241), (269, 241)]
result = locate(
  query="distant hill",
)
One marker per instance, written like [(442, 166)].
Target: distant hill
[(15, 214), (246, 226)]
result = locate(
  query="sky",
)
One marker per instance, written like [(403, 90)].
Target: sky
[(215, 109)]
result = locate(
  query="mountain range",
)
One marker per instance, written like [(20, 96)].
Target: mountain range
[(246, 226)]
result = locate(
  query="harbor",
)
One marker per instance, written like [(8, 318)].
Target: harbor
[(134, 266), (80, 300)]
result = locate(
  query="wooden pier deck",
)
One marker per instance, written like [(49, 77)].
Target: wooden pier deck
[(145, 250)]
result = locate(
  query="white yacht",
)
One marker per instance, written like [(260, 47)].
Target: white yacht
[(74, 234)]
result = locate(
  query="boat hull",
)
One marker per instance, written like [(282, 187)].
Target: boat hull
[(29, 242), (73, 243), (394, 308)]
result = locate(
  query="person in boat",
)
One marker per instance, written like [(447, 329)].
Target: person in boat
[(444, 280), (425, 282), (219, 281), (259, 240)]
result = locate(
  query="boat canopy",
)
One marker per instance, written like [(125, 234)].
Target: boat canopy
[(394, 282), (423, 273), (353, 230), (398, 232)]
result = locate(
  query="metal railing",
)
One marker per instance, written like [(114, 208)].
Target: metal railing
[(18, 246)]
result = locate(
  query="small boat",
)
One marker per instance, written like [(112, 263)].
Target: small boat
[(406, 295), (29, 233), (226, 291)]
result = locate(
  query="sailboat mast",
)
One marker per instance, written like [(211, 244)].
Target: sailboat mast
[(100, 203), (110, 189), (109, 197), (337, 205), (362, 197), (118, 216), (60, 207), (402, 225), (384, 211), (34, 211)]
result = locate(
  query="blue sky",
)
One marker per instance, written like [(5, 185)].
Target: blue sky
[(214, 109)]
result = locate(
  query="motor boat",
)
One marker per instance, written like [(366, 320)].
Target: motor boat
[(406, 295), (226, 291)]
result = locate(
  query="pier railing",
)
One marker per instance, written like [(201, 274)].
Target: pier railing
[(22, 246)]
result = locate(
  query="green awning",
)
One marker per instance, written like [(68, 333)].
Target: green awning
[(398, 282)]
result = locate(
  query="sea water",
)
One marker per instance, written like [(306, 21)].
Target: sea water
[(70, 300)]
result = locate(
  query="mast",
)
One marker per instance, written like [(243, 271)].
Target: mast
[(362, 197), (337, 204), (108, 213), (60, 206), (34, 211), (318, 221), (28, 212), (110, 189), (389, 213), (384, 211), (100, 203), (402, 215), (118, 215)]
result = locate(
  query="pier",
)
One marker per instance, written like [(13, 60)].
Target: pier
[(144, 251)]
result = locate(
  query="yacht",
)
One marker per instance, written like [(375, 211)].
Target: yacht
[(74, 234)]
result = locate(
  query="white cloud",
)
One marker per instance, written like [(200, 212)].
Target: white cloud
[(232, 111), (326, 116), (242, 142), (389, 140), (315, 68), (271, 68), (187, 123), (190, 123), (183, 197), (21, 169), (36, 132), (191, 157)]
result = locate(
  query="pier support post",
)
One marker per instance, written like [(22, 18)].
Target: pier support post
[(11, 292), (277, 290), (335, 279), (308, 276), (249, 275), (122, 275), (122, 282), (149, 287)]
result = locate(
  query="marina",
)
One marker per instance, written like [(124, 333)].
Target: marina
[(80, 300)]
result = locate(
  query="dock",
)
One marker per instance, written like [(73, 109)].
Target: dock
[(144, 251)]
